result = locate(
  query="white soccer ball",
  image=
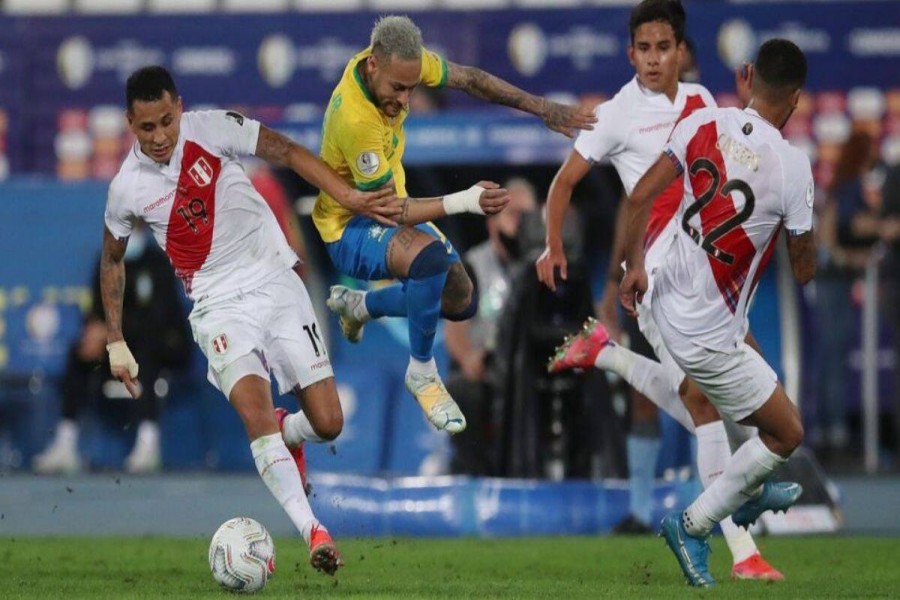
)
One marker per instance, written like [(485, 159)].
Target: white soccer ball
[(242, 555)]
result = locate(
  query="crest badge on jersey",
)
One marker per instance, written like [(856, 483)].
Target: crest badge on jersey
[(367, 163), (201, 172), (220, 344), (810, 193)]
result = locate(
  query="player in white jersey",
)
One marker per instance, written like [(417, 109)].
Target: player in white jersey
[(631, 131), (252, 316), (742, 183)]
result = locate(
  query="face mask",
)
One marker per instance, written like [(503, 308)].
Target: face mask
[(137, 243), (511, 244)]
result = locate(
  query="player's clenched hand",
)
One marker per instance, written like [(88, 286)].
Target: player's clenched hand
[(551, 258), (381, 205), (632, 289), (124, 367), (493, 199), (565, 118)]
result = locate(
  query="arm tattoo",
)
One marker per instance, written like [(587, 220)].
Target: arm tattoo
[(802, 255), (404, 213), (485, 86), (112, 282), (274, 147)]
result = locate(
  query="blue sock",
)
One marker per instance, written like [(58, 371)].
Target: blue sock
[(389, 301), (642, 455), (423, 308)]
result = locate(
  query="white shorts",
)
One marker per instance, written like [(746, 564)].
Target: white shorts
[(647, 324), (738, 382), (272, 329)]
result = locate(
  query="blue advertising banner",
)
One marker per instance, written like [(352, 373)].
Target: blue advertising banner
[(283, 67)]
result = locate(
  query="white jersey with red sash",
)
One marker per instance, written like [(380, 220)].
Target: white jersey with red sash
[(742, 182), (218, 232), (631, 131)]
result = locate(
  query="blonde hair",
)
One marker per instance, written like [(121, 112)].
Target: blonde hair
[(396, 36)]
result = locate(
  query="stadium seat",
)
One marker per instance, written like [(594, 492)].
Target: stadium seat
[(181, 6), (547, 3), (35, 7), (404, 4), (108, 6), (256, 6), (474, 4), (328, 5)]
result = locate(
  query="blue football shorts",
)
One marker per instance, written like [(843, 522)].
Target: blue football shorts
[(361, 252)]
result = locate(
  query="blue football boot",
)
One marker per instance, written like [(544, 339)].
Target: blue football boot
[(776, 496), (692, 552)]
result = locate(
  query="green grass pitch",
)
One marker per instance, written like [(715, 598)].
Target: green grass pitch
[(565, 567)]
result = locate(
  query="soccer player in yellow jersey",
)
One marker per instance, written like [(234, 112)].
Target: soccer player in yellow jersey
[(363, 140)]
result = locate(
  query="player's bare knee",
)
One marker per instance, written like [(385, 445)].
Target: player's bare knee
[(793, 436), (702, 411), (328, 426)]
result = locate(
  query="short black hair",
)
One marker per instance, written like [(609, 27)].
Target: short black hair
[(781, 67), (650, 11), (147, 84)]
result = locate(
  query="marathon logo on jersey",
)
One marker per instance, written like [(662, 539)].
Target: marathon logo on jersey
[(201, 172), (220, 344)]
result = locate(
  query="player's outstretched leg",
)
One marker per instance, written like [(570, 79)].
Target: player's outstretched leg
[(592, 347), (691, 551), (775, 496)]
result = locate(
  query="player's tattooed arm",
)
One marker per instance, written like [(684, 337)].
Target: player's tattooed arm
[(276, 148), (273, 147), (559, 117), (112, 283), (802, 255)]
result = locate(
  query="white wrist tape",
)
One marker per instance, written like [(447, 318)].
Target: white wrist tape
[(120, 357), (466, 201)]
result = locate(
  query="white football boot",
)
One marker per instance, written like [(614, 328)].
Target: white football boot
[(436, 402), (345, 302)]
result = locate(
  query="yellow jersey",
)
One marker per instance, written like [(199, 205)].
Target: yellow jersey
[(363, 144)]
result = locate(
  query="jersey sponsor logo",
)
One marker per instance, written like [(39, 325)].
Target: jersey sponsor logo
[(367, 163), (201, 172), (159, 202), (220, 344), (236, 117), (651, 128)]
